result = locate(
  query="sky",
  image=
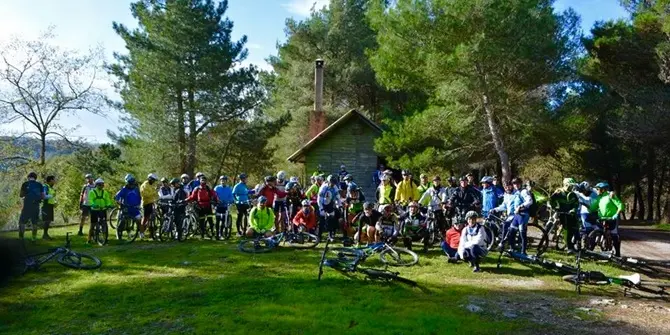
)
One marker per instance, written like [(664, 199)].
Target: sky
[(83, 24)]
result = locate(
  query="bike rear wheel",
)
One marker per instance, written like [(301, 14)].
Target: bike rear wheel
[(129, 230), (79, 261), (101, 234), (597, 238), (256, 246), (114, 218), (396, 256), (386, 276), (558, 238), (167, 231), (303, 240), (537, 238)]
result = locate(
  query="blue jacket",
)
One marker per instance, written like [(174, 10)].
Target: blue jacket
[(225, 194), (241, 193), (489, 200), (129, 197), (31, 192), (510, 202), (192, 185)]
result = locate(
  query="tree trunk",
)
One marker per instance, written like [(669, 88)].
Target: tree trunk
[(666, 211), (634, 210), (651, 174), (498, 142), (661, 185), (640, 209), (192, 136), (181, 130), (43, 148)]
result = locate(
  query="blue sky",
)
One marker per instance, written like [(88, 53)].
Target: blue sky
[(81, 24)]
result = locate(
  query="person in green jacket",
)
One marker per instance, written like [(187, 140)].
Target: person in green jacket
[(567, 204), (262, 219), (48, 205), (99, 201), (422, 188), (609, 208)]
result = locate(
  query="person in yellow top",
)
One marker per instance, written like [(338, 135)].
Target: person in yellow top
[(149, 195), (262, 219), (407, 190), (99, 201), (385, 191)]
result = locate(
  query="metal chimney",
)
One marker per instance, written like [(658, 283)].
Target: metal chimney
[(318, 86)]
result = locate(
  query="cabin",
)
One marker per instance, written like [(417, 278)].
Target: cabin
[(349, 141)]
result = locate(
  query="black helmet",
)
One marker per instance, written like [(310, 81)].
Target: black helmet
[(164, 180), (405, 173), (270, 178), (333, 179), (463, 178), (32, 175), (174, 181), (516, 180), (367, 205), (242, 176)]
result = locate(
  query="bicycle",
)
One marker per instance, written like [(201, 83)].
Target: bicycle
[(101, 231), (601, 236), (66, 257), (646, 266), (434, 235), (493, 228), (168, 229), (262, 244), (629, 283), (348, 260), (388, 254), (555, 230), (127, 226), (226, 220)]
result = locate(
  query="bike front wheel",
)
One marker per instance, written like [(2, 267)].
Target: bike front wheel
[(101, 233), (386, 276), (558, 238), (396, 256), (114, 218), (256, 246), (127, 231), (303, 241), (79, 261)]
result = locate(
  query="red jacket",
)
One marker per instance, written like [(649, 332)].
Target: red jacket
[(308, 220), (204, 196), (271, 193), (453, 237)]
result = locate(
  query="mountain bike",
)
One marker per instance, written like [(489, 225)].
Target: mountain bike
[(226, 220), (347, 261), (168, 229), (66, 257), (128, 228), (388, 254), (113, 219), (649, 267), (629, 283), (555, 230), (101, 231), (601, 237), (262, 244), (493, 227), (433, 231)]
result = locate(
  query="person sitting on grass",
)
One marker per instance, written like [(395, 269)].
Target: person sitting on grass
[(305, 218), (262, 219), (472, 246), (451, 241)]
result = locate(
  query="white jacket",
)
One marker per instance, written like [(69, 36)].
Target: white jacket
[(471, 237)]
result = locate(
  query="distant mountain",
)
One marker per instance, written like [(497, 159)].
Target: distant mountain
[(30, 147)]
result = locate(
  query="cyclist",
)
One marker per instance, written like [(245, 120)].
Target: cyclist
[(471, 181), (500, 191), (48, 205), (185, 179), (83, 202), (294, 199), (449, 192), (413, 226), (313, 192), (353, 205), (32, 193), (343, 174), (348, 180), (510, 201), (204, 197), (241, 196), (165, 194), (130, 199), (566, 203), (385, 191), (225, 195), (436, 196), (452, 239), (366, 222), (305, 218), (424, 185), (280, 207), (179, 198), (464, 199), (586, 196), (377, 175), (387, 227), (149, 197), (489, 196), (262, 219), (521, 216), (472, 246), (407, 190), (609, 208), (100, 200), (328, 200), (195, 182)]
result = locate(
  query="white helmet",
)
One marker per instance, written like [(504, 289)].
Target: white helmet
[(281, 175), (152, 176), (185, 176), (199, 174), (294, 179), (99, 181)]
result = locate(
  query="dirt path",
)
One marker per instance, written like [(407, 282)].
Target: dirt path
[(645, 242)]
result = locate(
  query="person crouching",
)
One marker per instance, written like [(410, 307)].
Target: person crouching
[(472, 247)]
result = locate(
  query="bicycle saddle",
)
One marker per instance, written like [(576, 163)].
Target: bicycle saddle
[(634, 278)]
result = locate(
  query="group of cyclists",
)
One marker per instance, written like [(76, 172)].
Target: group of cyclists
[(402, 210)]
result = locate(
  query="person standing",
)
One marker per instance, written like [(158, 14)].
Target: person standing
[(241, 196), (48, 205), (225, 196), (566, 204), (83, 202), (149, 197), (32, 193)]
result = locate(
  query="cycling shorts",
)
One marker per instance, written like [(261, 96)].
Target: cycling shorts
[(148, 210), (279, 205)]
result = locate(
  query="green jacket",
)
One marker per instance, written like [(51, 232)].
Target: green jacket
[(262, 220), (99, 200), (564, 201), (607, 206), (50, 195), (422, 190)]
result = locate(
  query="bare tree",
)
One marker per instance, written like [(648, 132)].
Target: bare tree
[(39, 83)]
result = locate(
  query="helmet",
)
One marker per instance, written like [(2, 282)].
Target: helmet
[(242, 176), (529, 183), (305, 202), (270, 178), (469, 174), (463, 178), (32, 175), (487, 179), (262, 199), (199, 174), (517, 181), (129, 178), (185, 176), (174, 181), (568, 181), (603, 185), (164, 180), (223, 178), (291, 185), (281, 175), (388, 172), (88, 175), (585, 185), (495, 177), (437, 178), (383, 208), (333, 179), (348, 177), (385, 177), (413, 204), (293, 179), (471, 214), (152, 176), (319, 178), (423, 175), (342, 167), (405, 173), (99, 181), (352, 187), (367, 205)]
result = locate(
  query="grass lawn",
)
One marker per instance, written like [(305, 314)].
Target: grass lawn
[(210, 287), (663, 226)]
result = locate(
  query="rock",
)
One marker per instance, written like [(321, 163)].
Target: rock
[(474, 308), (186, 263), (624, 306), (603, 302), (576, 317), (584, 309), (510, 315)]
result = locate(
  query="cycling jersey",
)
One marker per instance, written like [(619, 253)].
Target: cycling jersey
[(281, 191), (241, 193), (309, 220), (224, 194), (165, 193), (313, 193), (388, 225), (148, 192), (99, 199), (31, 192), (385, 194), (407, 191), (261, 220), (464, 198), (510, 202), (489, 200), (203, 196), (434, 197), (49, 195), (422, 189), (412, 222), (328, 198), (563, 201), (356, 205), (453, 237), (83, 195), (130, 197), (607, 206)]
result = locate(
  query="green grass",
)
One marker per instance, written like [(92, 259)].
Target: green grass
[(663, 226), (210, 287)]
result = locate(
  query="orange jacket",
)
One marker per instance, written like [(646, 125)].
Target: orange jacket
[(453, 237), (308, 220)]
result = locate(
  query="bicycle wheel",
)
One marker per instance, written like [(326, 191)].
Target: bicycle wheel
[(76, 260), (558, 238), (114, 218), (386, 276), (536, 238), (490, 238), (396, 256), (597, 239), (256, 246), (101, 232), (302, 240), (129, 230), (166, 231)]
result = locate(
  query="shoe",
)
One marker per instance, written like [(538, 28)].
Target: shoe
[(80, 233), (477, 269), (572, 251), (452, 260), (141, 235)]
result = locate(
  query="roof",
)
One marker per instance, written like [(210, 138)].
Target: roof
[(341, 121)]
